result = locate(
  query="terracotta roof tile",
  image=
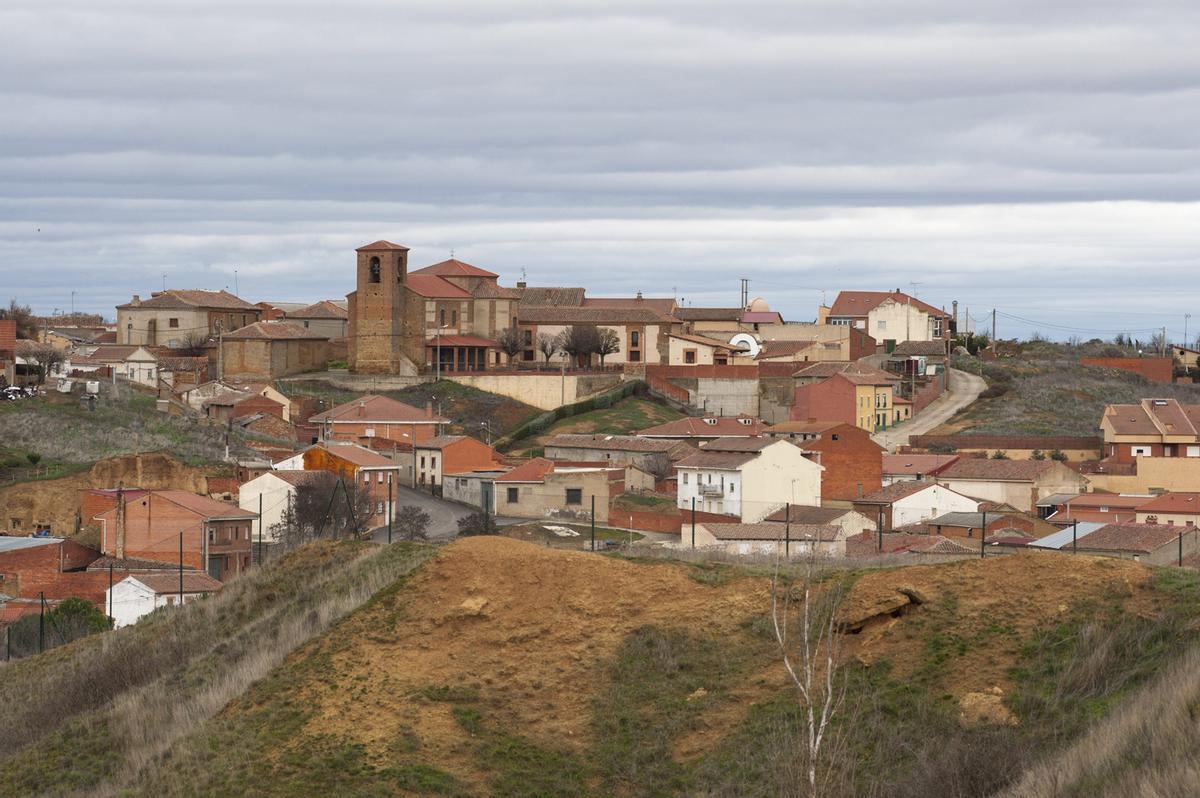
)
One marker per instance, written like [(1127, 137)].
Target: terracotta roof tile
[(273, 331), (533, 297), (894, 492), (764, 531), (917, 464), (592, 315), (434, 287), (1186, 503), (803, 514), (533, 471), (1001, 470), (616, 443), (454, 268), (166, 583), (708, 314), (192, 298), (381, 245), (726, 461), (860, 303), (377, 408), (1130, 537), (320, 310), (708, 427)]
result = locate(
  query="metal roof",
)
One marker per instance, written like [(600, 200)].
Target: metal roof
[(1055, 499), (1062, 538), (16, 544)]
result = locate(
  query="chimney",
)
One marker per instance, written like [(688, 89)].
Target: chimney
[(955, 306), (137, 300), (639, 296), (521, 284), (120, 547), (362, 409)]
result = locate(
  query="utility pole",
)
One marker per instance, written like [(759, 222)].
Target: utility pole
[(1074, 537), (879, 527), (993, 328), (181, 567), (389, 509), (41, 622), (110, 595), (1163, 346), (260, 520), (982, 535), (787, 529), (745, 292), (594, 523)]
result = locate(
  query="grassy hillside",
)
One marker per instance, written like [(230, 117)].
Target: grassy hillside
[(86, 718), (502, 668), (1045, 391), (465, 406), (623, 418), (65, 437)]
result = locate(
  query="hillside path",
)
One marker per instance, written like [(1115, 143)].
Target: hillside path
[(964, 389)]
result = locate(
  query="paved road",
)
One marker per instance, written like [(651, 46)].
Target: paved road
[(964, 389), (443, 515)]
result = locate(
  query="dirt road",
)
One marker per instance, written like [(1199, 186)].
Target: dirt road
[(964, 389)]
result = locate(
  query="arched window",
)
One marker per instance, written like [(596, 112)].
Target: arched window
[(374, 270)]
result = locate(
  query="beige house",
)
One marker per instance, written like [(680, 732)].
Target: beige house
[(696, 350), (169, 317), (134, 363), (547, 490), (323, 318), (1019, 483), (749, 478), (851, 522), (1172, 509), (888, 317)]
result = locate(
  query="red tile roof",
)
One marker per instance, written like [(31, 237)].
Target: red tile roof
[(434, 287), (723, 461), (1154, 417), (860, 303), (1143, 538), (454, 268), (895, 492), (533, 471), (999, 470), (796, 532), (459, 340), (663, 306), (708, 314), (166, 583), (380, 246), (192, 298), (357, 455), (274, 331), (320, 310), (738, 444), (699, 339), (709, 427), (917, 464), (376, 408), (204, 506), (804, 514), (1181, 503), (563, 314)]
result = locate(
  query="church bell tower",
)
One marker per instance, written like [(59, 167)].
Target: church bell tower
[(377, 310)]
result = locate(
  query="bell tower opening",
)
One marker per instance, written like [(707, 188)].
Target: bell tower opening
[(374, 270)]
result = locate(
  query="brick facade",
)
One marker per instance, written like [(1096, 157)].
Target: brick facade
[(386, 318), (1155, 369), (853, 462), (25, 573)]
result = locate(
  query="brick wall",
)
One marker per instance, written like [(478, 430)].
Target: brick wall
[(829, 400), (853, 463), (1155, 369), (29, 571), (927, 395), (8, 338)]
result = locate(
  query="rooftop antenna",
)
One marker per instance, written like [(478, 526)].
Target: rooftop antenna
[(522, 274), (235, 283), (914, 288), (451, 253)]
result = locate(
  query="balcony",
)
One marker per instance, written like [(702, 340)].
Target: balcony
[(712, 490)]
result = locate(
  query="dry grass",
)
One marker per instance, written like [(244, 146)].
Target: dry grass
[(144, 687)]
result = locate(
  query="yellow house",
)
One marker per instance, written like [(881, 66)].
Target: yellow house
[(873, 401)]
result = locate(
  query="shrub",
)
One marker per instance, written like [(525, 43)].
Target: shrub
[(477, 524), (1058, 455), (942, 448), (1038, 454), (34, 458), (1000, 455)]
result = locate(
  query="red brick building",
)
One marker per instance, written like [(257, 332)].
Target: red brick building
[(215, 536), (1152, 428), (53, 566), (369, 470), (1155, 369), (853, 462), (375, 416)]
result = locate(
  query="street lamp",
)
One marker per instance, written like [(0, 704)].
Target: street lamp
[(438, 339)]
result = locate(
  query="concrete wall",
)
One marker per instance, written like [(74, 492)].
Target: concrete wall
[(1174, 474), (275, 495), (779, 475), (726, 397), (543, 391), (899, 321), (929, 504)]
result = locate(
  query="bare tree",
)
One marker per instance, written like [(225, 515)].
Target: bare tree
[(324, 507), (607, 342), (411, 522), (46, 357), (810, 647), (508, 341), (23, 316), (194, 344), (548, 345), (580, 342)]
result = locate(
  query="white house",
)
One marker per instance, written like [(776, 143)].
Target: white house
[(749, 478), (913, 502), (272, 492), (772, 540), (134, 363), (141, 594)]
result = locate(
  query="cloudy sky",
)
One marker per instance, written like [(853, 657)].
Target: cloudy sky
[(1039, 158)]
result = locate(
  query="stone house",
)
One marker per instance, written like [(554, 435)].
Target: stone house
[(653, 455), (861, 397), (267, 350), (168, 318)]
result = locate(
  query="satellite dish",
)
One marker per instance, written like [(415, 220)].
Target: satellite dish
[(746, 341)]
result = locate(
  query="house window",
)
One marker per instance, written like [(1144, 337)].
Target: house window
[(881, 324), (422, 461), (1193, 451), (689, 356), (635, 356), (433, 462), (685, 478), (366, 479), (731, 487), (379, 477), (574, 495), (379, 507), (512, 495), (1140, 451), (173, 323), (528, 337)]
